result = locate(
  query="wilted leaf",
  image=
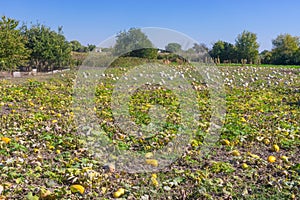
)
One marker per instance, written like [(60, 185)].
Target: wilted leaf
[(152, 162)]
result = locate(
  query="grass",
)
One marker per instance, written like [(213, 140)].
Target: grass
[(260, 65), (47, 154)]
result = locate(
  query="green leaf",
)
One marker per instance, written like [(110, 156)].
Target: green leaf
[(31, 197)]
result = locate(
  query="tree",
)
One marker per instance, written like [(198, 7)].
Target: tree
[(223, 51), (61, 50), (13, 52), (128, 41), (217, 50), (285, 49), (230, 53), (297, 57), (198, 53), (76, 46), (49, 49), (91, 47), (200, 48), (266, 57), (173, 48), (247, 46)]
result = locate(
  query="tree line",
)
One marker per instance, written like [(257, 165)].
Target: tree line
[(35, 46), (45, 49), (285, 51)]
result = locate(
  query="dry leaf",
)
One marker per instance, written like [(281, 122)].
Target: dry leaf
[(152, 162)]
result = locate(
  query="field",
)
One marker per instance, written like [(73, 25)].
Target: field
[(44, 156)]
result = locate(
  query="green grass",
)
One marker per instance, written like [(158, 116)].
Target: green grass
[(260, 65)]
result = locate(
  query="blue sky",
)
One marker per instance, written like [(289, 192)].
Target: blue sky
[(206, 21)]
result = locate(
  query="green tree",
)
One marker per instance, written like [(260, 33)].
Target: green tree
[(61, 50), (285, 49), (173, 47), (224, 51), (131, 40), (266, 57), (247, 46), (76, 46), (297, 57), (217, 50), (49, 49), (13, 52), (229, 52), (91, 47)]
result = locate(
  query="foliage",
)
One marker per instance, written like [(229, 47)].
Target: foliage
[(78, 47), (285, 49), (91, 47), (45, 156), (297, 57), (49, 49), (198, 53), (12, 45), (150, 53), (247, 47), (266, 57), (132, 40), (200, 48), (224, 51), (173, 48), (245, 50)]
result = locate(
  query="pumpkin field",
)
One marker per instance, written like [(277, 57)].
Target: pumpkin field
[(43, 155)]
